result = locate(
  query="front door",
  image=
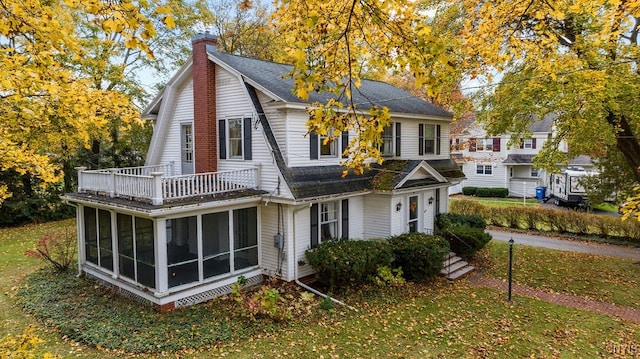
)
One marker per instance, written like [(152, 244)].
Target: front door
[(186, 139), (414, 217)]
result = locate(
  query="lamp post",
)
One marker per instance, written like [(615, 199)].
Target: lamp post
[(510, 265)]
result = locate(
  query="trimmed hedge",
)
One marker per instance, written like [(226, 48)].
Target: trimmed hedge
[(346, 262), (492, 192), (466, 241), (418, 254), (469, 191), (551, 220), (485, 192), (446, 220)]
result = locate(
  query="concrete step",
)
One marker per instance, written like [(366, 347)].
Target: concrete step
[(453, 267), (460, 272), (451, 260)]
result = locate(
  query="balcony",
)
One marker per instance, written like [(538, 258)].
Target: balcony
[(157, 184)]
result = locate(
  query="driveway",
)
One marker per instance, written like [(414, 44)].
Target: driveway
[(611, 250)]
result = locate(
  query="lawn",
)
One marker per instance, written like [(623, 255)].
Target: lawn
[(437, 319), (615, 280)]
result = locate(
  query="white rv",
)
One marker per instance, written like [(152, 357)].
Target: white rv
[(565, 187)]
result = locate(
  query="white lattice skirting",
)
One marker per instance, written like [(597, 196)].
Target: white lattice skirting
[(215, 292)]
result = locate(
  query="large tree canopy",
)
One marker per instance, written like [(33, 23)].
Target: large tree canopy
[(334, 44), (577, 59)]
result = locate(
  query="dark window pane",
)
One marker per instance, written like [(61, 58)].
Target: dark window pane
[(245, 227), (183, 273), (182, 240), (145, 254), (144, 241), (90, 233), (126, 267), (245, 234), (245, 258), (125, 246), (104, 239), (215, 244), (125, 235), (216, 265), (146, 275)]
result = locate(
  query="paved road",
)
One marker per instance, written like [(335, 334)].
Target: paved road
[(567, 245)]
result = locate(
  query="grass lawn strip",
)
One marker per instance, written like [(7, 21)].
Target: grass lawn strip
[(435, 319), (450, 321), (607, 279)]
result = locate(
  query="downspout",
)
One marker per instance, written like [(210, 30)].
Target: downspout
[(295, 266)]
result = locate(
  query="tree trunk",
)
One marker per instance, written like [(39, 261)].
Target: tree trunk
[(626, 142)]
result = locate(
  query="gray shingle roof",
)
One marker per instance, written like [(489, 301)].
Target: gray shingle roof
[(322, 181), (543, 125), (273, 77), (519, 160)]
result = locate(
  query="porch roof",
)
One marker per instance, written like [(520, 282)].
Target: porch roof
[(519, 159), (141, 206)]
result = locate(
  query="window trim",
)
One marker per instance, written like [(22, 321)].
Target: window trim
[(483, 172), (422, 139), (224, 138), (341, 220)]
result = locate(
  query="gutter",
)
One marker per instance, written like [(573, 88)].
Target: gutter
[(295, 266)]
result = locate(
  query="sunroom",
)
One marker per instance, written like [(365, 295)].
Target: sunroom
[(170, 254)]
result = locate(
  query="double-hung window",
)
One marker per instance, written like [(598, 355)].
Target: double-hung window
[(484, 169), (329, 220), (322, 146), (390, 140), (429, 139), (528, 143), (534, 172), (328, 146), (234, 137)]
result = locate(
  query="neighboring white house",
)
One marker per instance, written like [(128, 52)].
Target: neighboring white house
[(490, 161), (233, 187)]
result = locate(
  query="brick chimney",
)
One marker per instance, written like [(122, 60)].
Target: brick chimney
[(205, 136)]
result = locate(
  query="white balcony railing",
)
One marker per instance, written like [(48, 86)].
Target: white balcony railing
[(157, 184)]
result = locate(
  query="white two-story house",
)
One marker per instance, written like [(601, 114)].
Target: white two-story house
[(490, 162), (233, 187)]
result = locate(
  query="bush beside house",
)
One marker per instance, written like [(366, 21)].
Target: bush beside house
[(419, 255), (465, 233), (340, 263)]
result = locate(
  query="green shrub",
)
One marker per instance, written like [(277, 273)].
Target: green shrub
[(466, 241), (345, 262), (389, 277), (420, 255), (446, 220), (469, 191), (492, 192)]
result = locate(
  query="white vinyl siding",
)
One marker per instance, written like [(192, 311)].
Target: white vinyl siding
[(269, 216), (182, 114), (377, 216), (231, 99), (498, 177), (302, 230)]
